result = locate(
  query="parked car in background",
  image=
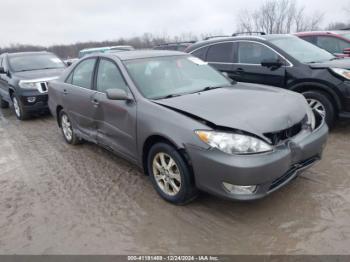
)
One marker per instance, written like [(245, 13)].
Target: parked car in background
[(187, 125), (177, 46), (284, 61), (96, 50), (335, 42), (23, 80)]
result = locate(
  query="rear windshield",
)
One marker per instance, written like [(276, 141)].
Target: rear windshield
[(346, 35), (31, 62), (301, 50)]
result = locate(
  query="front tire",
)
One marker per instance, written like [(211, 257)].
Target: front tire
[(170, 174), (321, 105), (67, 129), (20, 112)]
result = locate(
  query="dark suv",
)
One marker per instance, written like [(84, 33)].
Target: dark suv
[(335, 42), (284, 61), (23, 80), (177, 46)]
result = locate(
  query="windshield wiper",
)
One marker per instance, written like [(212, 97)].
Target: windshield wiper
[(208, 88), (168, 96), (35, 69)]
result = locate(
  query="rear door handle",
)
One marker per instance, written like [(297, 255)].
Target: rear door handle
[(240, 71), (65, 91)]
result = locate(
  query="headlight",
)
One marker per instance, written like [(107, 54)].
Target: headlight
[(233, 143), (342, 72), (27, 85), (311, 119)]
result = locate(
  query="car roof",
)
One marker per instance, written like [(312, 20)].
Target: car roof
[(328, 32), (28, 53), (237, 38), (142, 54)]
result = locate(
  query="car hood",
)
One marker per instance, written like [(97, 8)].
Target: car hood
[(255, 109), (337, 63), (39, 74)]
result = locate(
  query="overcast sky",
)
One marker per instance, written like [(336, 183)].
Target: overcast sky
[(47, 22)]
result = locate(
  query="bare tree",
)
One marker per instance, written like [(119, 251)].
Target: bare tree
[(337, 26), (278, 17)]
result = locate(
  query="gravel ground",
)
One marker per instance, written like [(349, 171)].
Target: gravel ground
[(60, 199)]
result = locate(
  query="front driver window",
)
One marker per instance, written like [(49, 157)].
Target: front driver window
[(254, 53), (82, 74), (109, 77)]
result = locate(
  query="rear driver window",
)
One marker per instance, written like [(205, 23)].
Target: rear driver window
[(220, 53), (254, 53), (82, 74)]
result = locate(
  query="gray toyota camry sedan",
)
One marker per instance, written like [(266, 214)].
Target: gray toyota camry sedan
[(186, 125)]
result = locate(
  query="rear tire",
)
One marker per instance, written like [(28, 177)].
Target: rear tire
[(67, 130), (20, 112), (170, 174), (322, 105), (3, 103)]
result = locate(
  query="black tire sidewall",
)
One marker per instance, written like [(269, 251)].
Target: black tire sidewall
[(23, 114), (326, 102), (187, 191)]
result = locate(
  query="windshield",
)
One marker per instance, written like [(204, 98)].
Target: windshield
[(171, 76), (301, 50), (35, 62)]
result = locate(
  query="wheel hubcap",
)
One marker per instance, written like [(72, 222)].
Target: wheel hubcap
[(67, 127), (16, 106), (166, 174), (317, 107)]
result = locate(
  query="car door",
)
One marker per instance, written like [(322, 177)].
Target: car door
[(78, 98), (248, 68), (221, 56), (4, 78), (116, 119)]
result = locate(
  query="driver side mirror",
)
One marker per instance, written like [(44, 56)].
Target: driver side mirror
[(272, 63), (117, 94), (226, 75), (2, 70), (346, 51)]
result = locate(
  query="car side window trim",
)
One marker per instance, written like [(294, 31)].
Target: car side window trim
[(289, 64), (71, 74), (96, 74)]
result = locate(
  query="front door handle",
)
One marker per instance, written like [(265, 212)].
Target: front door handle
[(95, 102), (65, 91)]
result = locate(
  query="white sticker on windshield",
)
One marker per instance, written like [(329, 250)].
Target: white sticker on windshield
[(197, 61), (55, 60)]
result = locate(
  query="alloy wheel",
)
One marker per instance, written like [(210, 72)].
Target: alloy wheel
[(166, 174), (317, 107), (67, 127), (16, 107)]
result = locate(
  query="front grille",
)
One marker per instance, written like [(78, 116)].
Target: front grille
[(292, 171), (280, 136), (43, 87)]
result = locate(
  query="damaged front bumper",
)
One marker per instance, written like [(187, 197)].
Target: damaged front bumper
[(267, 172)]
